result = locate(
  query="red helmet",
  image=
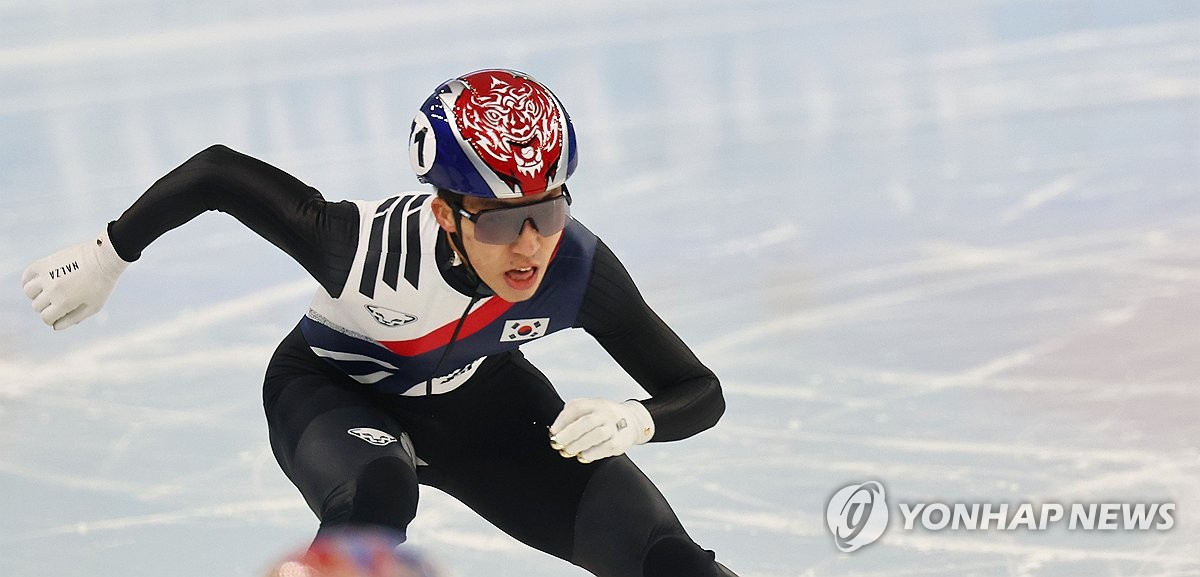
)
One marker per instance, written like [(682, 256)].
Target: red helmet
[(493, 133)]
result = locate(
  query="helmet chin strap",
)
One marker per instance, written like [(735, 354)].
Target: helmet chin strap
[(481, 291)]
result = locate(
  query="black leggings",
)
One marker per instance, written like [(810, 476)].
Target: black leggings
[(486, 444)]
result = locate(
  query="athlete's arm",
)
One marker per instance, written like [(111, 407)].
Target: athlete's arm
[(293, 216), (686, 396)]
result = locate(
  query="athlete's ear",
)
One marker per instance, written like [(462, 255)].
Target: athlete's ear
[(444, 215)]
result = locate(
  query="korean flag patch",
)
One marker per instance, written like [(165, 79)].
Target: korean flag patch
[(524, 329)]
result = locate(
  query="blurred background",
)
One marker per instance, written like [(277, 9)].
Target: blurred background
[(948, 245)]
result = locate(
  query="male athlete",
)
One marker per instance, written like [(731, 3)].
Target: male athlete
[(406, 368)]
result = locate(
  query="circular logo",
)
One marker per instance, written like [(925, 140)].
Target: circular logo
[(857, 515), (422, 144)]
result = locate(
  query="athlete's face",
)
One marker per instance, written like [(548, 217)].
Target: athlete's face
[(514, 271)]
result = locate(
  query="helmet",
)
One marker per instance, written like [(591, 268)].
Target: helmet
[(492, 133), (356, 552)]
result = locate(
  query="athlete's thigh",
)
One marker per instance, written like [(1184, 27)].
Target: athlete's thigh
[(620, 516), (601, 515), (492, 452), (324, 434)]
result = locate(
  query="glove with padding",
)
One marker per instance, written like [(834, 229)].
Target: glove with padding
[(592, 429), (72, 284)]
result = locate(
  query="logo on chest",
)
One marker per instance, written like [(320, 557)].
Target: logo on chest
[(388, 317), (524, 329)]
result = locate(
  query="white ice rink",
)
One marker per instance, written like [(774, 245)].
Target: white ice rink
[(948, 245)]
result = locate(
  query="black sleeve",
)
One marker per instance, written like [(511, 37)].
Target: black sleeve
[(685, 395), (321, 236)]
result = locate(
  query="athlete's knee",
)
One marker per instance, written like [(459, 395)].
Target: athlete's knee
[(675, 555), (384, 493)]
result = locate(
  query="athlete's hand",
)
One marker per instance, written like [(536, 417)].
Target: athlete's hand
[(72, 284), (592, 429)]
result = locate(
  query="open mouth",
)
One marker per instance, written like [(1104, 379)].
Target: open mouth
[(521, 278), (525, 153)]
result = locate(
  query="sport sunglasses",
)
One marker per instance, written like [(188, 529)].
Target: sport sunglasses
[(504, 225)]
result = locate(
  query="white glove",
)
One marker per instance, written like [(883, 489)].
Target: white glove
[(72, 284), (592, 429)]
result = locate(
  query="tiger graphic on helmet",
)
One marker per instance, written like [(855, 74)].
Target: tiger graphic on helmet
[(515, 128), (493, 133)]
